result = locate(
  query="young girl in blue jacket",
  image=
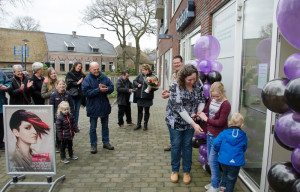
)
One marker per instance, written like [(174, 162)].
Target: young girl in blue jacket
[(231, 145)]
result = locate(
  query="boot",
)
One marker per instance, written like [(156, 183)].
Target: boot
[(146, 118), (138, 125)]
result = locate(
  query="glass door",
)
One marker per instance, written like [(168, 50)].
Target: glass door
[(256, 53)]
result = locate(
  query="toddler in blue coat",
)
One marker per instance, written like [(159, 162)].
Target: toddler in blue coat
[(231, 145)]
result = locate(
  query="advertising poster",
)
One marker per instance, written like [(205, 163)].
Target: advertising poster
[(29, 139)]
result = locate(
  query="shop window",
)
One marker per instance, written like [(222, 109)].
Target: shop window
[(70, 65), (62, 65), (52, 64), (87, 65), (103, 66)]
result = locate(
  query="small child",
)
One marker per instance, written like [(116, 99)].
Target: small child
[(231, 144), (65, 128)]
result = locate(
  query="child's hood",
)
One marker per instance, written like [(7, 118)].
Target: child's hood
[(234, 135)]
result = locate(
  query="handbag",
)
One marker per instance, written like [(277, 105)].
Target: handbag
[(132, 98), (74, 91)]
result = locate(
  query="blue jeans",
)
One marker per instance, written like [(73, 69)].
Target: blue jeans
[(93, 133), (230, 174), (76, 103), (181, 143), (213, 162)]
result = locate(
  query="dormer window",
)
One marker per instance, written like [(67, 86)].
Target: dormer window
[(70, 46), (94, 47)]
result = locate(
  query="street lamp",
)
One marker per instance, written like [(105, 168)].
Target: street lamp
[(25, 43), (101, 61)]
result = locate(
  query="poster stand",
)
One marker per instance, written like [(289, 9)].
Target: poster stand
[(16, 181)]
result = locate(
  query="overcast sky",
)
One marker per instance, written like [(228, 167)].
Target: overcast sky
[(64, 16)]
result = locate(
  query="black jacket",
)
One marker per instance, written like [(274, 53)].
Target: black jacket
[(66, 127), (140, 92), (123, 87), (16, 94), (71, 79), (56, 98), (36, 90)]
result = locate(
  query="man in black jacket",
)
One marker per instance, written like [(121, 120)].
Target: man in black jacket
[(124, 89)]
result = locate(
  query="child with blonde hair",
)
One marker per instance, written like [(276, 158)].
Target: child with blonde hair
[(66, 128), (231, 145), (215, 119)]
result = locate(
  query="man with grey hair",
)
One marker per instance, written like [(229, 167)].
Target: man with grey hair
[(96, 86), (38, 79)]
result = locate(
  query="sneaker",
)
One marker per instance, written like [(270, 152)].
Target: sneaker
[(108, 146), (137, 127), (187, 178), (122, 126), (57, 150), (174, 177), (208, 186), (74, 157), (222, 189), (130, 123), (65, 161), (212, 189), (93, 149), (167, 148)]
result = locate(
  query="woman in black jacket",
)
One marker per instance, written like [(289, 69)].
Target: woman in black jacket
[(145, 100), (74, 80), (19, 91), (38, 80)]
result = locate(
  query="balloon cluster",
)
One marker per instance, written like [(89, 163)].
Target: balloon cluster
[(285, 93), (207, 50), (199, 141)]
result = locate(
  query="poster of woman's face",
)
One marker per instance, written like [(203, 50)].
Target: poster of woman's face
[(29, 139)]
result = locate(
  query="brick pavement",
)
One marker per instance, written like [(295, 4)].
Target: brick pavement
[(138, 162)]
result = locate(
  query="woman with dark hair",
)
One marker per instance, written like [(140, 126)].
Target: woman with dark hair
[(27, 127), (74, 80), (186, 99)]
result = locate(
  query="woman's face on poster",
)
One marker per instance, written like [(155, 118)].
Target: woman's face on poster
[(26, 133)]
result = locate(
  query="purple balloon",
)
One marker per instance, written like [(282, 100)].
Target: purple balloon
[(216, 66), (295, 159), (203, 150), (195, 63), (200, 136), (207, 47), (288, 129), (202, 159), (287, 16), (204, 66), (292, 66), (206, 89), (263, 50)]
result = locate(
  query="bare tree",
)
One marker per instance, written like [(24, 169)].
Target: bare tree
[(26, 23), (109, 15), (266, 31), (141, 22), (124, 17), (14, 3)]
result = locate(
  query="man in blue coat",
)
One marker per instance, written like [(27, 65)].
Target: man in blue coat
[(96, 86)]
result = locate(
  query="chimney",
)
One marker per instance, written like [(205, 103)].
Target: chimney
[(130, 44), (74, 33), (102, 36)]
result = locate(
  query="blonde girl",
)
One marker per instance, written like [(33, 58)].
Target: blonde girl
[(66, 128), (215, 115), (49, 84)]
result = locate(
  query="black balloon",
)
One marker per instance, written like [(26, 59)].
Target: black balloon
[(272, 95), (202, 76), (281, 144), (196, 143), (292, 94), (214, 76), (281, 176), (207, 168), (296, 186)]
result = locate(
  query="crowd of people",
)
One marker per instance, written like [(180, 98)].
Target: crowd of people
[(186, 107)]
